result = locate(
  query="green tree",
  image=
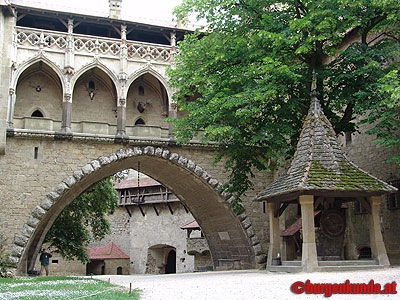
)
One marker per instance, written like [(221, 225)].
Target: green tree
[(245, 77), (84, 220)]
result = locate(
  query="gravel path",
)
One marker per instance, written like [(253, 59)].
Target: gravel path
[(252, 285)]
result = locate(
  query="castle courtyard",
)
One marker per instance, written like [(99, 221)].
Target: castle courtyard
[(250, 284)]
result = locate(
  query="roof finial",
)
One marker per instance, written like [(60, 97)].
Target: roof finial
[(315, 106)]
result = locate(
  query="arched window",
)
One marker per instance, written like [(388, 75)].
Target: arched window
[(141, 90), (119, 271), (37, 114), (140, 122), (92, 85)]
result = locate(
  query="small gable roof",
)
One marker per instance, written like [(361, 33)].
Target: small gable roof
[(110, 251)]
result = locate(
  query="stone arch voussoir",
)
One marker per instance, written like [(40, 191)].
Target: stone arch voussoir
[(21, 240)]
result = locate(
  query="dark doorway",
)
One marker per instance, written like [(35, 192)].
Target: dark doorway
[(170, 268), (365, 253), (119, 271)]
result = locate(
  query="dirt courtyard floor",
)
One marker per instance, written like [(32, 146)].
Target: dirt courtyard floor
[(253, 284)]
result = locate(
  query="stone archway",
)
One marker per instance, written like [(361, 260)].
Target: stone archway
[(230, 237)]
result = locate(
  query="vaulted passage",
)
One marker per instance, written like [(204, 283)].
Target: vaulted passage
[(226, 235)]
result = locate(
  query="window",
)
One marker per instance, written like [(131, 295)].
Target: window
[(393, 200), (37, 114), (359, 208), (141, 90), (54, 261), (140, 122), (92, 85), (365, 252)]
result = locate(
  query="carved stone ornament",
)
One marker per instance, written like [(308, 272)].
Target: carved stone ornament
[(67, 98), (332, 224)]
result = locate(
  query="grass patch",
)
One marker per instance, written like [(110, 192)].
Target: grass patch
[(60, 288)]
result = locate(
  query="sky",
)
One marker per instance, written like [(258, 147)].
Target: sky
[(149, 9)]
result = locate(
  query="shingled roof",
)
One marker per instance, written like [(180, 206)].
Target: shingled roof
[(319, 164)]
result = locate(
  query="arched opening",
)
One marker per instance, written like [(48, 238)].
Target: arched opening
[(147, 97), (194, 187), (119, 271), (94, 103), (170, 267), (38, 86), (139, 122), (37, 114)]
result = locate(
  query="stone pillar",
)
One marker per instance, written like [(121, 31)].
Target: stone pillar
[(309, 260), (376, 240), (11, 108), (66, 115), (70, 53), (121, 119), (274, 234)]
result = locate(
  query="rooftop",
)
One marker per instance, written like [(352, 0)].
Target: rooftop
[(110, 251), (319, 164)]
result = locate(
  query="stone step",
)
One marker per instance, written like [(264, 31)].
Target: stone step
[(347, 262), (288, 269), (296, 263), (349, 268)]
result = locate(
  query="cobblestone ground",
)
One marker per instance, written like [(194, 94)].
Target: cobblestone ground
[(252, 285)]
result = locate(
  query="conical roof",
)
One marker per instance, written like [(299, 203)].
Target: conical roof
[(319, 164)]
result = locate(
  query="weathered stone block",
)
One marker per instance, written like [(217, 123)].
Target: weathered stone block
[(158, 152), (47, 203), (121, 153), (113, 157), (149, 150), (61, 188), (13, 261), (38, 212), (250, 232), (27, 230), (104, 160), (246, 223), (242, 216), (191, 165), (17, 251), (198, 170), (78, 175), (166, 153), (174, 157), (53, 196), (137, 150), (33, 222), (96, 164), (255, 240), (87, 169), (213, 182), (257, 249), (182, 161), (70, 181), (21, 240), (205, 176)]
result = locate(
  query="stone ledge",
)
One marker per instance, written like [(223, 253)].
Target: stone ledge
[(105, 139)]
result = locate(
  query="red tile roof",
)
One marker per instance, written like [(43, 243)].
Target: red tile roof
[(133, 183), (111, 251), (191, 225)]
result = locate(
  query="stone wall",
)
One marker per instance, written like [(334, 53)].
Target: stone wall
[(32, 179), (373, 158)]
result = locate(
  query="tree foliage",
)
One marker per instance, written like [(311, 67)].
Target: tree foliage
[(83, 220), (245, 77)]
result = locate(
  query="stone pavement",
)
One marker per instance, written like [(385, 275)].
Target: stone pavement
[(252, 284)]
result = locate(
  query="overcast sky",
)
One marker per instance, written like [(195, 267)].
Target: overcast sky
[(151, 9)]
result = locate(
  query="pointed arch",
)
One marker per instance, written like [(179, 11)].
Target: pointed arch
[(149, 70), (30, 62), (92, 65)]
